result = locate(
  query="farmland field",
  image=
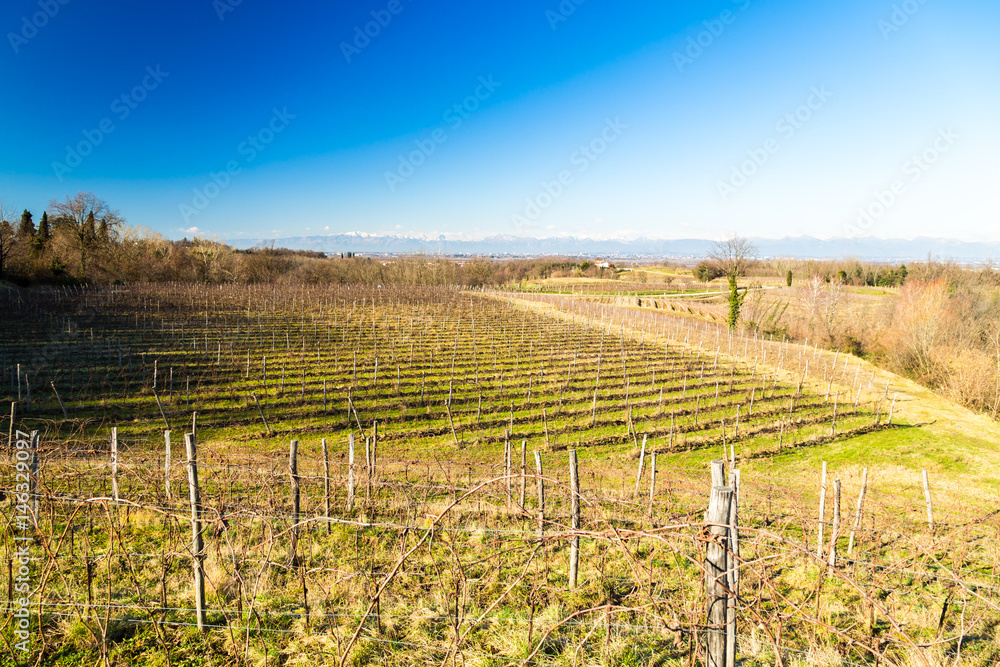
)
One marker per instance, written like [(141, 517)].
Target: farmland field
[(448, 538)]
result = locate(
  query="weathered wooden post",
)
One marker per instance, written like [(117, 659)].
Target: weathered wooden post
[(716, 575), (642, 462), (930, 508), (58, 398), (541, 495), (368, 469), (166, 464), (822, 512), (652, 486), (718, 472), (833, 423), (293, 472), (734, 567), (507, 468), (593, 409), (524, 466), (114, 463), (574, 546), (260, 411), (163, 414), (835, 532), (10, 435), (857, 514), (350, 472), (375, 453), (197, 545), (33, 464), (326, 484)]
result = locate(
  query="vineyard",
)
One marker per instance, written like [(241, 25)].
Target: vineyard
[(272, 475)]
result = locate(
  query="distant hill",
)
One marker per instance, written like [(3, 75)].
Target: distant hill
[(805, 247)]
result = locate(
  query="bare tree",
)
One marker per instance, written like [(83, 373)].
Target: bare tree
[(78, 216), (733, 255), (8, 236), (822, 301)]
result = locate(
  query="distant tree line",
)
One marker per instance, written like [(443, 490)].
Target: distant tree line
[(83, 239), (853, 272)]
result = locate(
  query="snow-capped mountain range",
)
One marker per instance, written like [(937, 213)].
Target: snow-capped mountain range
[(501, 245)]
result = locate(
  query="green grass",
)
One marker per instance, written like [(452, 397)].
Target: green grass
[(637, 566)]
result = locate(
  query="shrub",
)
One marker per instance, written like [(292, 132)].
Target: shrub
[(706, 272)]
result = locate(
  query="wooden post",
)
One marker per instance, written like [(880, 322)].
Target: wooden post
[(10, 435), (374, 452), (166, 464), (642, 462), (33, 477), (368, 469), (194, 425), (507, 465), (857, 514), (524, 462), (451, 423), (197, 545), (293, 471), (652, 485), (835, 532), (822, 512), (163, 414), (718, 472), (350, 472), (326, 484), (833, 424), (930, 508), (593, 410), (734, 567), (892, 407), (114, 463), (716, 575), (541, 495), (261, 412), (574, 546), (58, 398)]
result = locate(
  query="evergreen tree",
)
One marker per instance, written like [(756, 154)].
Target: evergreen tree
[(788, 278), (102, 230), (44, 232), (26, 230)]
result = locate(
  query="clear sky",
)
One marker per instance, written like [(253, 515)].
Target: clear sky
[(243, 118)]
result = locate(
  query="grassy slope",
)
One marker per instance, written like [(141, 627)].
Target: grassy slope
[(956, 446)]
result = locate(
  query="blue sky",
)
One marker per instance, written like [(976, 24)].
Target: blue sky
[(668, 119)]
